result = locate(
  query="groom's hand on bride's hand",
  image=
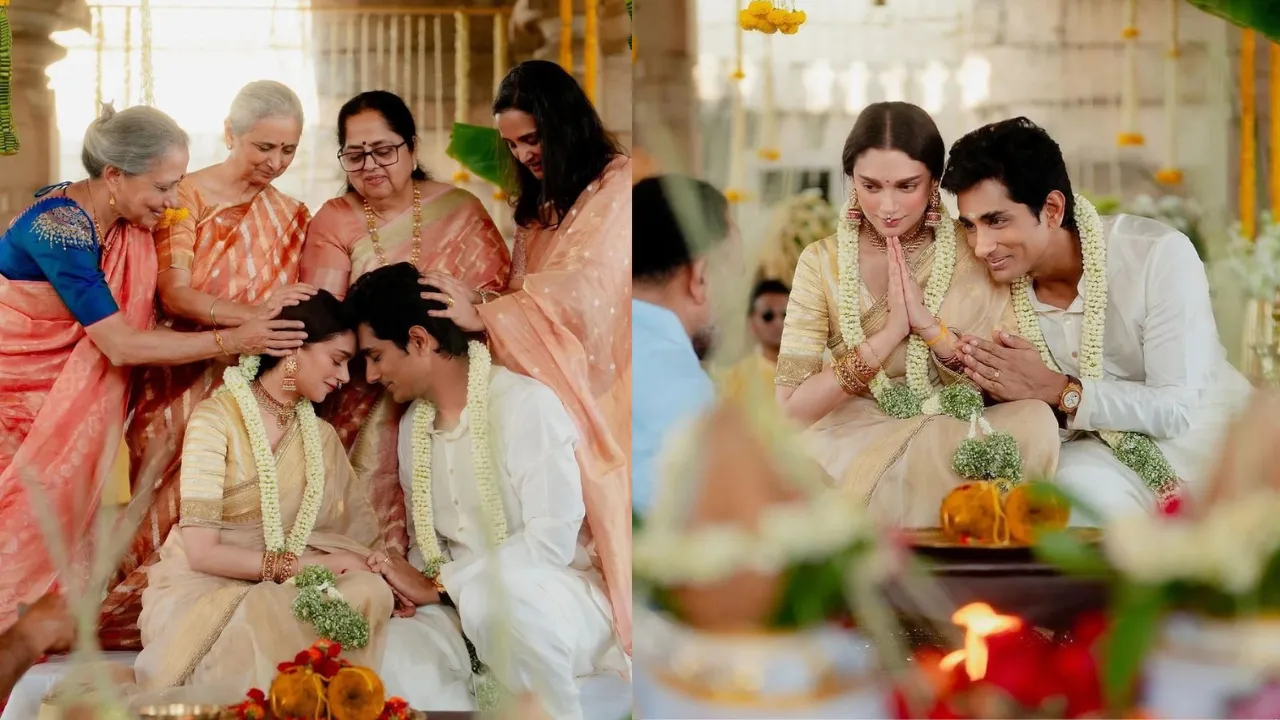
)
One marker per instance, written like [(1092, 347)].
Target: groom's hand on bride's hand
[(1009, 368), (405, 579)]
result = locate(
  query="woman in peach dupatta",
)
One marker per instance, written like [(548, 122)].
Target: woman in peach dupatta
[(391, 213), (77, 289), (233, 257), (565, 317)]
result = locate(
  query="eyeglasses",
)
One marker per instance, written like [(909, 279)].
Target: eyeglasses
[(383, 156), (769, 315)]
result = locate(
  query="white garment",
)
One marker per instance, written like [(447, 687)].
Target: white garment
[(1165, 372), (534, 607), (426, 661)]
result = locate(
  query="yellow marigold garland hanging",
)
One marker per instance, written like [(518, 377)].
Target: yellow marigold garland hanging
[(1248, 141), (1169, 174), (771, 16), (1129, 134), (8, 137)]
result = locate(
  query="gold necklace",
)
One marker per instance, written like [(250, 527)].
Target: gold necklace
[(283, 413), (910, 241), (370, 221), (103, 246)]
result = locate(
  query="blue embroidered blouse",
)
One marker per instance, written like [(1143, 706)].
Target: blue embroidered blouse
[(54, 241)]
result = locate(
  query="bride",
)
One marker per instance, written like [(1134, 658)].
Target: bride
[(889, 295), (266, 489)]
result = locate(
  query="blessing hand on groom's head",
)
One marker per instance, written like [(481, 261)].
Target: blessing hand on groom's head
[(1009, 367)]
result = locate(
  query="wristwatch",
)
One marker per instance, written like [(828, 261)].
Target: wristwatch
[(1069, 400)]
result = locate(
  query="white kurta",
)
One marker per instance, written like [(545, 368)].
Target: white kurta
[(535, 607), (1165, 372)]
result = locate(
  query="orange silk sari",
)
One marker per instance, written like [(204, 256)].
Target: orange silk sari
[(567, 323), (237, 252), (64, 406), (459, 238)]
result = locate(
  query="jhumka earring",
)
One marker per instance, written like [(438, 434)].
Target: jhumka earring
[(933, 214), (854, 214), (289, 384), (112, 200)]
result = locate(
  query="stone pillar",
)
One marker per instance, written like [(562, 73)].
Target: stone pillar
[(34, 111), (664, 94)]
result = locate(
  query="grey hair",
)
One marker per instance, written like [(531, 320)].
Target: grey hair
[(132, 140), (263, 99)]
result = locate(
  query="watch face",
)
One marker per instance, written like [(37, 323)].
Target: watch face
[(1071, 399)]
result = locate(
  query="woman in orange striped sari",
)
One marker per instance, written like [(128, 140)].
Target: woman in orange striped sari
[(234, 257), (392, 212), (565, 317)]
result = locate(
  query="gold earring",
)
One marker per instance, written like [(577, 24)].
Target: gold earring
[(854, 214), (112, 201), (933, 215), (289, 384)]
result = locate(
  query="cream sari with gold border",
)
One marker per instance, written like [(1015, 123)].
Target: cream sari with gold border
[(902, 467)]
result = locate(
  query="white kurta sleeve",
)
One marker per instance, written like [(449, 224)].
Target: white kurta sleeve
[(539, 455), (1180, 351)]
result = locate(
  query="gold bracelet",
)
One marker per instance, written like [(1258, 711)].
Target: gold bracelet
[(212, 321), (865, 372), (217, 336), (942, 333), (847, 377)]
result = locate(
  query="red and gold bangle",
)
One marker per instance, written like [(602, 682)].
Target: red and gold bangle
[(288, 567), (865, 372), (847, 377)]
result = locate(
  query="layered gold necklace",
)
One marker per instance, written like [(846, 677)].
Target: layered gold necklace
[(282, 412), (910, 240), (370, 219)]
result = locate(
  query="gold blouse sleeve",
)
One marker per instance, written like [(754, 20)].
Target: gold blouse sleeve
[(204, 467), (806, 329)]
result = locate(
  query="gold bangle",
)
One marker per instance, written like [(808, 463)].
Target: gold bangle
[(865, 372), (213, 321), (217, 336), (847, 377), (942, 333)]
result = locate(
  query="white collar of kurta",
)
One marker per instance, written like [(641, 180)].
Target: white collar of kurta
[(464, 420)]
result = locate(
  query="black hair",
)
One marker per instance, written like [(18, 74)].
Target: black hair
[(896, 126), (1018, 154), (675, 220), (576, 147), (392, 109), (322, 315), (768, 287), (389, 300)]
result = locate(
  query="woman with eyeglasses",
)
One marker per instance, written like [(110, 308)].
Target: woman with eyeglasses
[(391, 212), (565, 317), (233, 257)]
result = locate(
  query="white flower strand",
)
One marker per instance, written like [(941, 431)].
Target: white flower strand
[(237, 381), (1154, 467), (480, 363), (849, 305)]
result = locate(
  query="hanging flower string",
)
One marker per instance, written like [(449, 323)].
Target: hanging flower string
[(1129, 133), (461, 81), (333, 618), (771, 17), (480, 364), (769, 115), (8, 137), (1136, 451), (1169, 174), (734, 193)]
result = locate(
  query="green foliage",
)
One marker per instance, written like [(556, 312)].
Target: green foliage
[(482, 152), (1260, 15)]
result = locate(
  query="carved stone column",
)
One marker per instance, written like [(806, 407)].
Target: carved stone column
[(34, 111), (663, 91)]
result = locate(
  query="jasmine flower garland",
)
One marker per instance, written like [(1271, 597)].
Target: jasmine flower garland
[(331, 615), (895, 400), (480, 364), (1137, 451)]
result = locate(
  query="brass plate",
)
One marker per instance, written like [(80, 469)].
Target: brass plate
[(933, 538)]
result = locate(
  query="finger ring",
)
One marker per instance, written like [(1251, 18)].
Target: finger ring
[(448, 302), (996, 375)]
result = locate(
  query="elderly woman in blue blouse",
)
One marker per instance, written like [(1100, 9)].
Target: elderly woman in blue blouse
[(77, 289)]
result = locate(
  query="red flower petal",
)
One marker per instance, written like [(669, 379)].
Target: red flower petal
[(302, 658), (257, 695), (1089, 628), (1172, 506), (335, 649), (1015, 665), (1076, 672)]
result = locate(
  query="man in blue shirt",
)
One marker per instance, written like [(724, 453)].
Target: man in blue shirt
[(678, 222)]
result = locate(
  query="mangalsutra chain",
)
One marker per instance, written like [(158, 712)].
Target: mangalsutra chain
[(370, 220), (283, 413)]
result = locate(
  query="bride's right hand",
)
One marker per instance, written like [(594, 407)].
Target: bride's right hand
[(899, 322), (264, 336)]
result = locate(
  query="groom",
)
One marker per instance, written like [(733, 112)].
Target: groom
[(533, 604), (1161, 373)]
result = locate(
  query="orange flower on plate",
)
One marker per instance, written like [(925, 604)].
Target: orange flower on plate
[(356, 693), (1033, 507), (297, 692)]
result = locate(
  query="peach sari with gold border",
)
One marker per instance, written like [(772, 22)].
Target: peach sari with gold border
[(567, 322), (235, 251), (64, 410), (459, 238)]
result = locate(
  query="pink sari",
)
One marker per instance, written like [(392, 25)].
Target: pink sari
[(567, 323), (459, 238), (238, 252), (64, 408)]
